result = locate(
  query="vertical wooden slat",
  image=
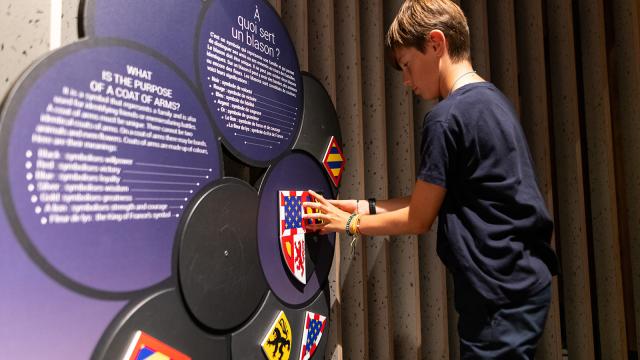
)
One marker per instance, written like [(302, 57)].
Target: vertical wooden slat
[(349, 107), (404, 249), (476, 12), (504, 57), (322, 64), (294, 16), (535, 122), (571, 212), (375, 157), (601, 176), (322, 45), (433, 276), (627, 125), (452, 317), (277, 4)]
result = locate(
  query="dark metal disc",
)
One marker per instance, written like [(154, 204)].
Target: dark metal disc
[(297, 171), (218, 266), (163, 317), (245, 343), (319, 120)]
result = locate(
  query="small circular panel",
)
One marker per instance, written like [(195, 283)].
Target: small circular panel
[(297, 171), (250, 77), (245, 343), (104, 144), (218, 265), (158, 319)]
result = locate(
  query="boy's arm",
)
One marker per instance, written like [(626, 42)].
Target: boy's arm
[(415, 217)]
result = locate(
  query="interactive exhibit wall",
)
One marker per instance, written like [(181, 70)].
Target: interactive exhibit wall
[(121, 238)]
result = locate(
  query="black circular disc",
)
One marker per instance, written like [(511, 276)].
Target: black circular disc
[(161, 316), (319, 121), (246, 342), (219, 271)]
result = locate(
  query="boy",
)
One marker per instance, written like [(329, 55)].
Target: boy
[(476, 175)]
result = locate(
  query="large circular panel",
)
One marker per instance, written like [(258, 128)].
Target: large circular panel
[(103, 144), (167, 26), (40, 318), (160, 324), (218, 266), (297, 171), (250, 77)]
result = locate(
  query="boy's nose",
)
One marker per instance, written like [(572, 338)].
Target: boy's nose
[(406, 80)]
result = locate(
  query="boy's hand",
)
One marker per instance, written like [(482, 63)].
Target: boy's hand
[(334, 219)]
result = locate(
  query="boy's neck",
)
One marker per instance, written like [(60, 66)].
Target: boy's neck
[(456, 75)]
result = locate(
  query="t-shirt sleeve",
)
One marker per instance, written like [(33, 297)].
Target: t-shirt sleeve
[(435, 153)]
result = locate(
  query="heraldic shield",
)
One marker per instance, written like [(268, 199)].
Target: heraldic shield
[(277, 343), (292, 230), (334, 161), (144, 346), (313, 329)]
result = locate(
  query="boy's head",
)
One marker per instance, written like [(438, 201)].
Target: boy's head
[(417, 18)]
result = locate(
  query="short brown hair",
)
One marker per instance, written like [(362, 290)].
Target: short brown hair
[(417, 18)]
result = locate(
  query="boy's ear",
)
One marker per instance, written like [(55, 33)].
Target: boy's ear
[(437, 41)]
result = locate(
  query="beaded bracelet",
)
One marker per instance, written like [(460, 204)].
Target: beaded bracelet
[(348, 226), (353, 226), (354, 230)]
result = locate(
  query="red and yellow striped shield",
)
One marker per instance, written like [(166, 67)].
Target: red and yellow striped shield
[(334, 161)]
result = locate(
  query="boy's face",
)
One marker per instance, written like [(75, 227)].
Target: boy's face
[(420, 70)]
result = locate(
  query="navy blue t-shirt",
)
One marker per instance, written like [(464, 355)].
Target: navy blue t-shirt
[(493, 226)]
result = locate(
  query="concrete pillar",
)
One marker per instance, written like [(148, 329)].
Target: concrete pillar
[(375, 158), (404, 249), (601, 178), (504, 57), (322, 44), (322, 64), (433, 276), (349, 107), (29, 29), (476, 12), (627, 125), (277, 4), (295, 18), (452, 318), (535, 122)]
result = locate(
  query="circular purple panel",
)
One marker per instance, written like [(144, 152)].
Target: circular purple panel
[(168, 26), (105, 146), (250, 77), (297, 171), (34, 309)]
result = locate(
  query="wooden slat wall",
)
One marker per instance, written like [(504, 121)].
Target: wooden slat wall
[(404, 249), (571, 224), (627, 128), (558, 79), (572, 69), (350, 114), (502, 43), (376, 179), (535, 122)]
